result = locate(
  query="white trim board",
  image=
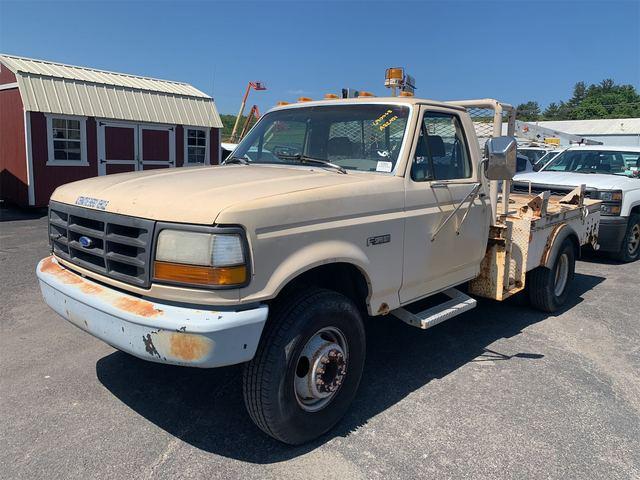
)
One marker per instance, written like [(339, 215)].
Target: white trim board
[(207, 157), (8, 86), (29, 159), (51, 161)]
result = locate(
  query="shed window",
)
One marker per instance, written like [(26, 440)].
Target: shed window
[(196, 146), (66, 141)]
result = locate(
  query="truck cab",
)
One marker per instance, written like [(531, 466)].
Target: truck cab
[(611, 174), (326, 214)]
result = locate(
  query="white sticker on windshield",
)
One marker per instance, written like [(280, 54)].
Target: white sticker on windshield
[(384, 166)]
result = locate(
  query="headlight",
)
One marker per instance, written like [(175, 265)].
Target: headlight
[(606, 209), (611, 196), (611, 201), (200, 258)]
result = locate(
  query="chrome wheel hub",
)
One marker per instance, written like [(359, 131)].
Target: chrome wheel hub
[(321, 369), (562, 274), (634, 239)]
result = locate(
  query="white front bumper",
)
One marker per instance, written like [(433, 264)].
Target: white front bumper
[(152, 331)]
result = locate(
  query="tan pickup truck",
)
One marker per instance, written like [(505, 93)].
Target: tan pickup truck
[(326, 214)]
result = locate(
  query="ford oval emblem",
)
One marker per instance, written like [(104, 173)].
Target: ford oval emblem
[(86, 242)]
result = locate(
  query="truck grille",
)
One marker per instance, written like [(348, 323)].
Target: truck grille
[(116, 246), (523, 187)]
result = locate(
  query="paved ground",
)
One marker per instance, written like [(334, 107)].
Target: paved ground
[(500, 392)]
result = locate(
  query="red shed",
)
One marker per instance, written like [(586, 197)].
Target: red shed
[(60, 123)]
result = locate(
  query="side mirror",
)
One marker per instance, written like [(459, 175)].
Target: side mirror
[(500, 154)]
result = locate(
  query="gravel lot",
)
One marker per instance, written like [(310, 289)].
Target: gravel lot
[(500, 392)]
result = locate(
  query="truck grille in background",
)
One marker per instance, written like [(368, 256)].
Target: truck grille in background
[(120, 246), (522, 187)]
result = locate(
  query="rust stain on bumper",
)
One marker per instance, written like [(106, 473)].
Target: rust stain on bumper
[(129, 304), (186, 346), (137, 306), (50, 266)]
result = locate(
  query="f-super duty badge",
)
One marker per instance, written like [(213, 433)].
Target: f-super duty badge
[(378, 240), (92, 202)]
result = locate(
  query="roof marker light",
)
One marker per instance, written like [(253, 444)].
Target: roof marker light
[(305, 99)]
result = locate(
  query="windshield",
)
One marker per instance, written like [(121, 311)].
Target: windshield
[(544, 159), (532, 154), (363, 137), (595, 161)]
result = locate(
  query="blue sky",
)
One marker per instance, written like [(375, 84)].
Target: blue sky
[(513, 50)]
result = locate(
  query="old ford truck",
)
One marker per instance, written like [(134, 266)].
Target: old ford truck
[(326, 214)]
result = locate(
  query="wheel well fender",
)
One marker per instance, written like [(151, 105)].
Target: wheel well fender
[(557, 237), (334, 264)]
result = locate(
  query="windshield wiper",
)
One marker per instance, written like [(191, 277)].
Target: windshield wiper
[(240, 160), (318, 161)]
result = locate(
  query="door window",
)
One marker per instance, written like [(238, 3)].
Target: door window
[(441, 153)]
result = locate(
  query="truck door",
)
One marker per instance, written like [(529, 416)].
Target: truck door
[(440, 175)]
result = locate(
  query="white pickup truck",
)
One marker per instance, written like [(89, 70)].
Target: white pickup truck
[(327, 213), (612, 175)]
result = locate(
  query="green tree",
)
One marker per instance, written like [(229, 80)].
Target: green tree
[(529, 112), (579, 93), (552, 112), (603, 100), (228, 121)]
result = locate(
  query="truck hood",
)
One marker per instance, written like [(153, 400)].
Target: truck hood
[(197, 194), (569, 179)]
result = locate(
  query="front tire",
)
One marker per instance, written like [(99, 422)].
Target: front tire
[(549, 287), (630, 249), (307, 368)]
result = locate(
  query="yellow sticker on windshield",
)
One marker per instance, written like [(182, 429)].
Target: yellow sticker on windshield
[(378, 121), (388, 122)]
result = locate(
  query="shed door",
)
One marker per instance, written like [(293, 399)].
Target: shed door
[(126, 147), (157, 147), (117, 147)]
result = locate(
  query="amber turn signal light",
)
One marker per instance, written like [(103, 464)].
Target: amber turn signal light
[(199, 275)]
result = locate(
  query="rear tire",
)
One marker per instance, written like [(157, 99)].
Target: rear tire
[(630, 249), (549, 287), (307, 368)]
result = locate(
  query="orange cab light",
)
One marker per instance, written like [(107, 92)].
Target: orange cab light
[(406, 94), (199, 275), (330, 96), (395, 73), (365, 94), (305, 99), (282, 104)]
